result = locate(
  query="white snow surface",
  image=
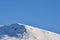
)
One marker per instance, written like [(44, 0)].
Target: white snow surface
[(33, 33)]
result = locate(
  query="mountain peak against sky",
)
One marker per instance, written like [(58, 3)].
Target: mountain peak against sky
[(20, 31)]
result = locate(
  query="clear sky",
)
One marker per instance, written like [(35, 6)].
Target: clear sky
[(42, 13)]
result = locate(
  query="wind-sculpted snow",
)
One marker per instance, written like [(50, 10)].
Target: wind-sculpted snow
[(12, 30), (25, 32)]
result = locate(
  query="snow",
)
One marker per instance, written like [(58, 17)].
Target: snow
[(25, 32)]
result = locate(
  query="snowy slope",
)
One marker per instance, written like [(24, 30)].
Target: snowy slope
[(25, 32)]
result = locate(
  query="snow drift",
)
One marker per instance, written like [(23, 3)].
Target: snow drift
[(24, 32)]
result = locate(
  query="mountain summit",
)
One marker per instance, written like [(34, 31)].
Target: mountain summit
[(24, 32)]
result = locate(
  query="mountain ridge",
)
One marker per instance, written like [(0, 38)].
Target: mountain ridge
[(20, 31)]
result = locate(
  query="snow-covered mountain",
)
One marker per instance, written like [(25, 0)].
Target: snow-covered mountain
[(24, 32)]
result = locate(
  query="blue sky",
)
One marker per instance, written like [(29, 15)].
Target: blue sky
[(42, 13)]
